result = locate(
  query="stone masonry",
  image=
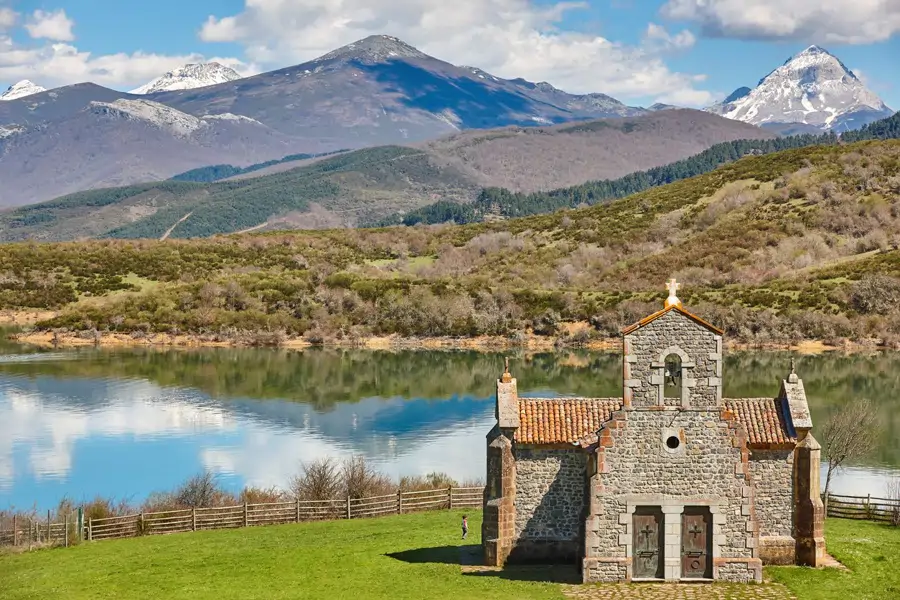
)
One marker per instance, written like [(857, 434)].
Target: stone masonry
[(772, 474), (669, 482), (550, 501)]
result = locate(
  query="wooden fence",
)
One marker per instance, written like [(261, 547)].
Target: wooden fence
[(884, 510), (242, 515), (34, 531)]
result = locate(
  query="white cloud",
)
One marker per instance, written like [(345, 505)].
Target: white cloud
[(50, 25), (821, 21), (8, 18), (510, 38), (660, 35)]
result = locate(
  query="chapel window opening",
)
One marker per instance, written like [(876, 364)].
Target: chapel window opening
[(672, 442), (672, 384)]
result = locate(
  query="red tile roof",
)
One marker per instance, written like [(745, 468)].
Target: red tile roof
[(569, 420), (562, 420), (763, 418)]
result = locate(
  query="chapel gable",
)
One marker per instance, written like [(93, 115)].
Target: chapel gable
[(672, 358)]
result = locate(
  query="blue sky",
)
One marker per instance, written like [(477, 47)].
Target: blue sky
[(697, 51)]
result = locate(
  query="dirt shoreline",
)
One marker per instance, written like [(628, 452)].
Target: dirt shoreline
[(47, 339)]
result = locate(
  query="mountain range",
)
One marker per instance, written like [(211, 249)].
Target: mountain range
[(377, 91)]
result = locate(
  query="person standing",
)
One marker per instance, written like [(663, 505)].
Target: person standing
[(465, 526)]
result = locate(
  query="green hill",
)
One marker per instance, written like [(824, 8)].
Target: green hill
[(365, 186), (792, 245), (367, 182)]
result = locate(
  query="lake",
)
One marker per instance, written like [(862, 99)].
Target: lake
[(123, 423)]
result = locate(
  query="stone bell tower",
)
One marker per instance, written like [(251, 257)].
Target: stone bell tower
[(672, 358)]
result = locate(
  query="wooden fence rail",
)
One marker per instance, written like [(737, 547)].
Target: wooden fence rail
[(884, 510), (241, 515)]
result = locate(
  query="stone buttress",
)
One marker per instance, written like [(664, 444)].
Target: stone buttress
[(498, 526)]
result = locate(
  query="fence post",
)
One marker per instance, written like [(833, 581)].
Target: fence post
[(141, 523), (15, 531), (868, 506), (193, 519), (827, 495), (298, 510), (246, 516), (399, 502), (90, 530), (348, 507), (79, 523), (66, 525), (450, 497), (49, 535)]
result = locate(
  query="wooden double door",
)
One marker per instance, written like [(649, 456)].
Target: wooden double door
[(648, 543)]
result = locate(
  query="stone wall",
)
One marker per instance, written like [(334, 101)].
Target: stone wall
[(701, 353), (771, 472), (551, 486), (636, 468)]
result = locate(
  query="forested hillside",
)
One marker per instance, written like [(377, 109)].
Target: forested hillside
[(499, 202), (219, 172), (781, 247)]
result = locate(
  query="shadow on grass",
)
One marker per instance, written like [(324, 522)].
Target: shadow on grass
[(470, 559), (448, 555)]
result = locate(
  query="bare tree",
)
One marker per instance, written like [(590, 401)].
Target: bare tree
[(200, 491), (320, 480), (361, 480), (893, 493), (849, 434)]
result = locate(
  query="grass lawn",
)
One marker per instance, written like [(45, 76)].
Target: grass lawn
[(870, 551), (410, 556), (330, 560)]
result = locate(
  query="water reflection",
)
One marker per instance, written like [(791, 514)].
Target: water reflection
[(124, 423)]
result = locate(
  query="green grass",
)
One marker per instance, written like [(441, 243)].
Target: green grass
[(870, 551), (410, 556), (332, 560)]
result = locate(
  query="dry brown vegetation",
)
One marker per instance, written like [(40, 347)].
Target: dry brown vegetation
[(778, 248)]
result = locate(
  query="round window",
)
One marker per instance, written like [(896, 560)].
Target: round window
[(672, 442)]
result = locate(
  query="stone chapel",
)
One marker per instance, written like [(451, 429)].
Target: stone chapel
[(669, 482)]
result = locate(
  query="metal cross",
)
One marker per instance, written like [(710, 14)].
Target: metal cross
[(695, 530), (647, 530)]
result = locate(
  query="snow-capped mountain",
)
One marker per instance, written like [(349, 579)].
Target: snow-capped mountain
[(813, 88), (21, 89), (189, 77)]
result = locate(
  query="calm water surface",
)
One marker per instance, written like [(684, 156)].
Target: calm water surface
[(124, 423)]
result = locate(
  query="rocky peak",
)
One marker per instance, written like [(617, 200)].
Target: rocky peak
[(21, 89), (188, 77), (813, 87), (375, 48)]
